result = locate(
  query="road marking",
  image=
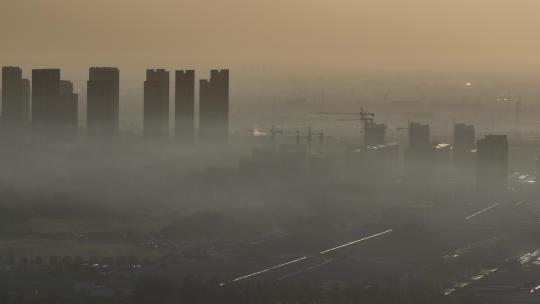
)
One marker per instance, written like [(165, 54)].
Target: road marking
[(305, 257), (482, 211), (357, 241), (305, 269), (268, 269)]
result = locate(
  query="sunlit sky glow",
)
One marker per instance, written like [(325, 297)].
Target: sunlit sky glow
[(284, 33)]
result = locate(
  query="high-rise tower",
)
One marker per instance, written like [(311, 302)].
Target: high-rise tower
[(464, 142), (46, 104), (156, 103), (492, 164), (15, 97), (185, 105), (214, 107), (103, 99)]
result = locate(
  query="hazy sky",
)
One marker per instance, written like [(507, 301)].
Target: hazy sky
[(353, 34)]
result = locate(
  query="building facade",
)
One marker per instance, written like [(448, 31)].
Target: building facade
[(185, 105), (492, 164), (214, 107), (156, 104), (464, 142), (46, 105), (103, 101), (15, 97)]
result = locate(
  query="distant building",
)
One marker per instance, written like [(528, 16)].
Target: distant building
[(45, 98), (103, 101), (418, 136), (156, 103), (419, 156), (375, 166), (375, 134), (54, 105), (185, 105), (492, 164), (69, 108), (464, 142), (441, 166), (214, 107), (15, 97)]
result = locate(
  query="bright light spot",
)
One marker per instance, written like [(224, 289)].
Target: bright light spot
[(477, 277), (448, 291), (257, 132), (468, 84)]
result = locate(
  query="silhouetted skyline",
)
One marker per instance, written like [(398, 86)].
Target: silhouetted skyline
[(55, 103)]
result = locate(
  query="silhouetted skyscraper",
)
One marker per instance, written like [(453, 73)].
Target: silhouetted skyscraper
[(103, 99), (464, 142), (156, 103), (375, 134), (15, 97), (185, 105), (69, 108), (214, 106), (492, 164), (418, 136), (418, 156), (45, 98)]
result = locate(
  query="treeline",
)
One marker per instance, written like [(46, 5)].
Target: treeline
[(11, 262), (57, 288), (193, 290)]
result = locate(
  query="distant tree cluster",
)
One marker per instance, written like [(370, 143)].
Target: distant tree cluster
[(70, 261), (193, 290)]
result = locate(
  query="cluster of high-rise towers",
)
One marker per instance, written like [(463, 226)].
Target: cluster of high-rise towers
[(426, 161), (49, 104)]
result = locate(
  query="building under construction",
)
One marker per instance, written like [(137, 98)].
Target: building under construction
[(375, 134)]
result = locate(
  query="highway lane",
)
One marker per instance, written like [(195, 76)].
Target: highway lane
[(296, 260), (269, 269), (481, 211), (330, 250)]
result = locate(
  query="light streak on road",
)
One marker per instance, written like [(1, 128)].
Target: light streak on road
[(482, 211), (537, 288), (305, 257), (268, 269), (357, 241), (327, 261)]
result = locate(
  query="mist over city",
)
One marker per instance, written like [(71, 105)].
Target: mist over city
[(269, 152)]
